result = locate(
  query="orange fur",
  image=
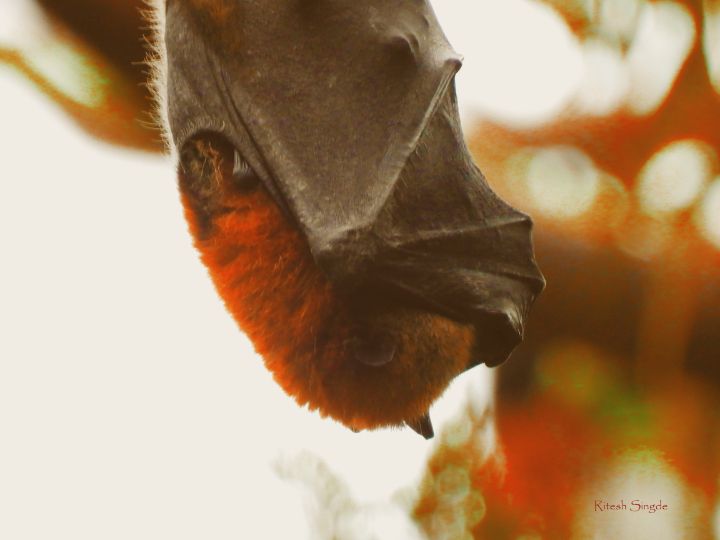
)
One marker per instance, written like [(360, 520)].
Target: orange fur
[(300, 325)]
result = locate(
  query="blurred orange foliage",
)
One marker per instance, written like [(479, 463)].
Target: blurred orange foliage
[(621, 355)]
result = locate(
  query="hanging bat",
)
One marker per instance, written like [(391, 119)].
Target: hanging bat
[(331, 196)]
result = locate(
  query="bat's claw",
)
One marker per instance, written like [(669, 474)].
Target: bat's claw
[(422, 426)]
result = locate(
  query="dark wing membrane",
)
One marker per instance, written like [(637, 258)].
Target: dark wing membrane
[(327, 98)]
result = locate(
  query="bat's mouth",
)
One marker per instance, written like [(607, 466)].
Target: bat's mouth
[(366, 358)]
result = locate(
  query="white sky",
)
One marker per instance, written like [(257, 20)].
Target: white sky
[(130, 405), (522, 63)]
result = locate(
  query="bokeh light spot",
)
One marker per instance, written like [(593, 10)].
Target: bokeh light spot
[(640, 475), (674, 177), (476, 508), (576, 372), (644, 237), (664, 37), (459, 432), (619, 17), (25, 28), (711, 42), (708, 215), (605, 84), (485, 443), (453, 484), (522, 62), (68, 71), (21, 23), (449, 523), (563, 182), (613, 203)]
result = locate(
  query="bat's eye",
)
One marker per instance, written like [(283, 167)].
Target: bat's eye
[(373, 352), (242, 175)]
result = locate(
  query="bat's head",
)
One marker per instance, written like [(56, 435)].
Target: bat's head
[(332, 198)]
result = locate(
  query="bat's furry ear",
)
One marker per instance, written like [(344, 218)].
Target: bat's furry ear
[(422, 426)]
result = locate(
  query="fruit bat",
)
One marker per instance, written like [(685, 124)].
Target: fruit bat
[(330, 193)]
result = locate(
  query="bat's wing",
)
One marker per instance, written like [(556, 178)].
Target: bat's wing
[(446, 238), (346, 110)]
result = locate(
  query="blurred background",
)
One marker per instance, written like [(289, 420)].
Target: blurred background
[(130, 405)]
